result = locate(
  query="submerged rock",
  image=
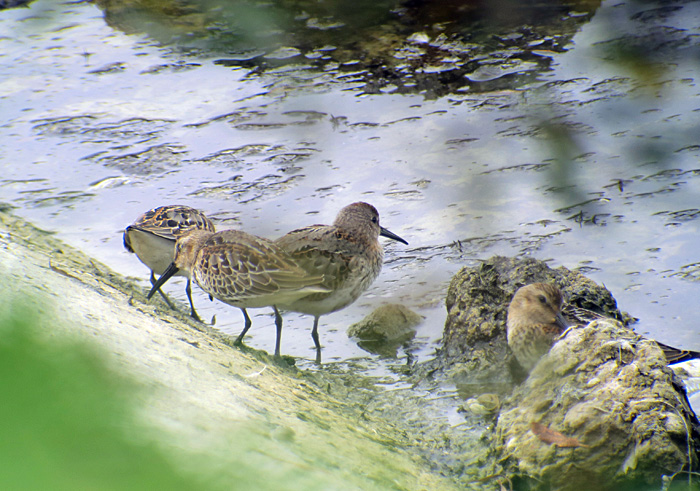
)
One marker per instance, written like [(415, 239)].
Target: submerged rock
[(385, 329), (386, 323), (608, 394)]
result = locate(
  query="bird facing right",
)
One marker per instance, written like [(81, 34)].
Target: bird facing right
[(534, 322), (347, 254)]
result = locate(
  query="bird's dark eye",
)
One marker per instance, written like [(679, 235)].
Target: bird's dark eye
[(375, 219), (542, 299)]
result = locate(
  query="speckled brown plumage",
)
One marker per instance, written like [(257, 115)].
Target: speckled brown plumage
[(152, 238), (242, 270), (348, 255), (534, 322)]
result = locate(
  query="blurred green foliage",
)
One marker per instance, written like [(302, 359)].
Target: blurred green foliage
[(66, 420)]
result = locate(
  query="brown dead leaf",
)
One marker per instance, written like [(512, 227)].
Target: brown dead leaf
[(552, 437)]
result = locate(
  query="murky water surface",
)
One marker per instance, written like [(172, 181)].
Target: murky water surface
[(564, 146)]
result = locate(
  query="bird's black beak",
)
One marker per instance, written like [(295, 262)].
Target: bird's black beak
[(561, 322), (167, 274), (391, 235)]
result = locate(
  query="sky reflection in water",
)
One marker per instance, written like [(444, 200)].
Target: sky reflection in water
[(101, 126)]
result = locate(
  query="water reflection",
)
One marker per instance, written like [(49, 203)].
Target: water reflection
[(386, 46), (575, 158)]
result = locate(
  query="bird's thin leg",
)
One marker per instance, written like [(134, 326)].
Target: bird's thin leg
[(314, 335), (248, 323), (167, 300), (188, 290), (278, 324)]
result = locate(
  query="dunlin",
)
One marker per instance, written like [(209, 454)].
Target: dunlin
[(152, 237), (535, 321), (347, 254), (242, 270)]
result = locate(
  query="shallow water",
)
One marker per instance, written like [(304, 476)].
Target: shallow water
[(99, 126)]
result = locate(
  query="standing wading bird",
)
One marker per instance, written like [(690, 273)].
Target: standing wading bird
[(347, 254), (152, 237), (242, 270), (535, 322)]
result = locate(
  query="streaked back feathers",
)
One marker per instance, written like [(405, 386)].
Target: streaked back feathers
[(244, 270)]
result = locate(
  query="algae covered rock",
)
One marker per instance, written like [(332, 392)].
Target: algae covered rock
[(387, 327), (474, 351), (477, 298), (601, 410)]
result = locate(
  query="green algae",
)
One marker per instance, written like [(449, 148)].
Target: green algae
[(221, 417)]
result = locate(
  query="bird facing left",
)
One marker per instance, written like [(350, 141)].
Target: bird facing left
[(242, 270), (152, 238)]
